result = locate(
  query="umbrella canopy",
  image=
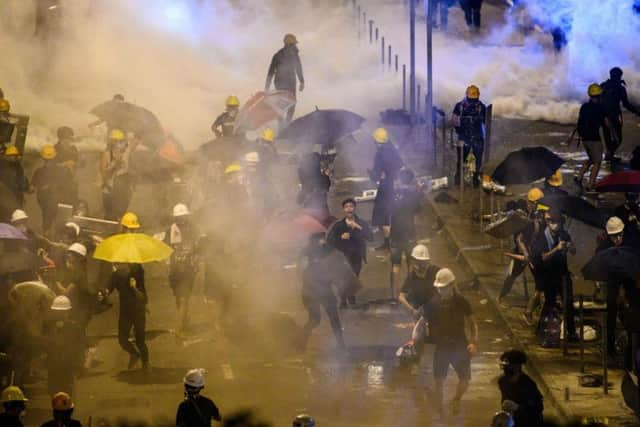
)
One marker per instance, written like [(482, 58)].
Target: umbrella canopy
[(617, 263), (526, 165), (17, 257), (9, 232), (135, 248), (323, 127), (508, 226), (576, 208), (292, 230), (31, 292), (131, 118), (264, 107), (620, 182)]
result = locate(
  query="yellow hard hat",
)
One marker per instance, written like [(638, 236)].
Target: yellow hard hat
[(268, 135), (12, 150), (13, 394), (290, 39), (381, 136), (117, 135), (4, 106), (534, 195), (48, 152), (594, 89), (61, 401), (233, 167), (232, 101), (555, 180), (473, 92), (130, 220)]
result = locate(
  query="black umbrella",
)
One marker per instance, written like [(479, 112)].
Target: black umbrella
[(505, 227), (322, 127), (131, 118), (576, 208), (526, 165), (617, 263)]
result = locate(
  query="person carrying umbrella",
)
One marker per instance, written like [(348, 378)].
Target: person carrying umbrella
[(614, 92), (53, 184), (350, 235), (224, 125), (182, 236), (14, 404), (62, 407), (469, 121), (12, 174), (284, 69), (629, 213), (591, 119), (315, 182), (386, 165), (196, 410), (117, 180)]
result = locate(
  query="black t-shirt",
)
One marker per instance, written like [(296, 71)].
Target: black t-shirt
[(407, 202), (189, 416), (68, 423), (420, 290), (590, 120), (525, 393), (7, 420), (121, 281), (446, 319)]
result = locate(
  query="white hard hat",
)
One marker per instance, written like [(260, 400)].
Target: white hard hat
[(73, 225), (420, 253), (181, 210), (444, 277), (252, 157), (78, 248), (614, 225), (194, 378), (18, 215), (61, 303)]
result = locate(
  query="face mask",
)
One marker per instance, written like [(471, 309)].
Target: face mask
[(420, 269), (509, 370), (554, 227), (22, 415), (22, 227), (446, 292)]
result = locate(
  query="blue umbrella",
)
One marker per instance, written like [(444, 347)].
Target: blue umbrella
[(9, 232)]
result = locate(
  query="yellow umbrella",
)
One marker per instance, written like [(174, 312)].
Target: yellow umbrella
[(135, 248)]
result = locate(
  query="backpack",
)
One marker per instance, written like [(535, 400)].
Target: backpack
[(549, 328)]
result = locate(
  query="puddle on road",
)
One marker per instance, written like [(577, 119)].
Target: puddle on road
[(375, 377)]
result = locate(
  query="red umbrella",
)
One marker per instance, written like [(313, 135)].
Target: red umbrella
[(620, 182), (264, 107), (292, 230)]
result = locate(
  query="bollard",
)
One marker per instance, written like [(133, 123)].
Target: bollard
[(389, 56), (404, 86), (418, 104), (370, 31), (382, 52), (396, 62), (376, 34)]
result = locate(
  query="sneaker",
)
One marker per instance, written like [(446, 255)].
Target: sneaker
[(528, 318), (133, 360)]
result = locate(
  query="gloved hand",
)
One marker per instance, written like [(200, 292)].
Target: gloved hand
[(510, 406)]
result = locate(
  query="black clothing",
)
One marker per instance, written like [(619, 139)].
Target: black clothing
[(66, 153), (284, 68), (420, 290), (550, 190), (52, 183), (65, 345), (614, 93), (82, 299), (471, 10), (454, 354), (471, 115), (12, 175), (67, 423), (314, 186), (525, 393), (7, 420), (630, 216), (354, 248), (182, 264), (386, 165), (407, 203), (517, 268), (197, 412), (446, 319), (121, 281), (590, 120), (226, 122), (136, 320)]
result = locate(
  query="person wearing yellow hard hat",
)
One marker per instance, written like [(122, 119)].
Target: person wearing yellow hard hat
[(129, 223), (5, 106), (553, 185), (14, 404), (62, 407), (285, 70), (115, 174), (13, 174), (386, 165), (224, 125), (53, 184), (591, 119), (468, 119)]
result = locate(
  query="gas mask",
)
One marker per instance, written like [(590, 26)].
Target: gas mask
[(446, 292), (510, 369), (420, 268)]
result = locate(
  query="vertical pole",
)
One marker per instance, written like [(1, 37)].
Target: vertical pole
[(376, 34), (370, 31), (605, 362), (404, 87), (487, 137), (428, 106), (581, 333), (389, 56), (419, 92), (358, 22), (412, 64), (396, 62), (382, 52)]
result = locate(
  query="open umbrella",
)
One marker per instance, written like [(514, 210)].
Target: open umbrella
[(292, 229), (31, 292), (526, 165), (620, 182), (511, 224), (9, 232), (323, 126), (576, 208), (616, 263), (132, 248), (264, 107), (131, 118), (16, 257)]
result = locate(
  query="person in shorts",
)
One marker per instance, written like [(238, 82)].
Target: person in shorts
[(591, 119)]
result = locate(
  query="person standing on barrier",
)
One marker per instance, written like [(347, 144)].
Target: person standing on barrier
[(469, 121), (284, 69)]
